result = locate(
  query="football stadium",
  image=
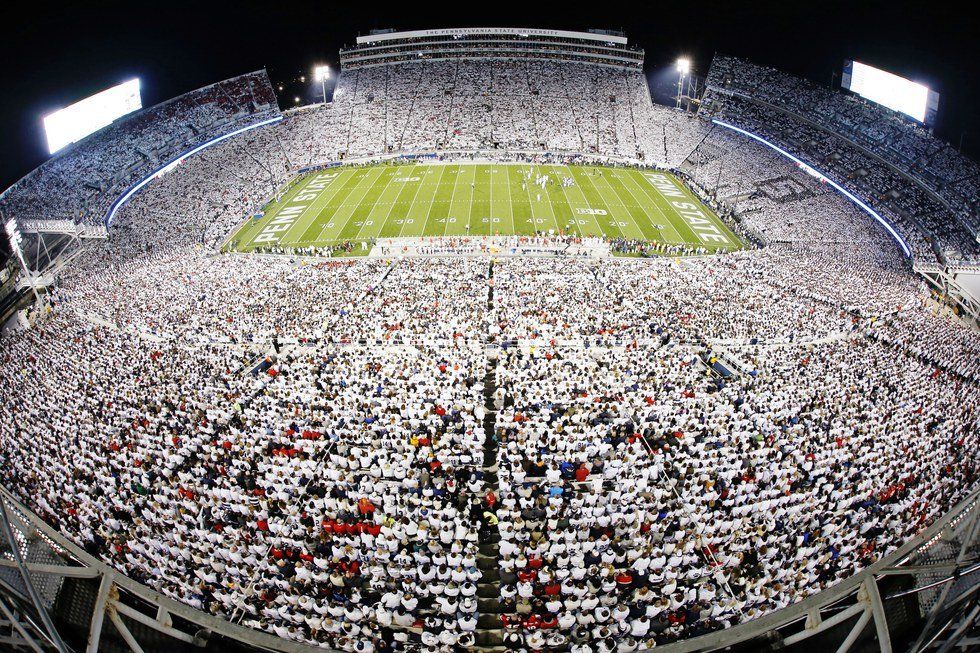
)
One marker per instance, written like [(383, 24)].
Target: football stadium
[(483, 345)]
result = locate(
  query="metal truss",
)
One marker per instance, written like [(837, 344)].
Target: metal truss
[(858, 600), (943, 280), (44, 247), (956, 611), (120, 600)]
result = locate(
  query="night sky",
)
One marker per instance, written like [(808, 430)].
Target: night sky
[(57, 56)]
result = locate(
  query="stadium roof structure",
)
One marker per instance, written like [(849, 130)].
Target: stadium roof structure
[(491, 31), (598, 47)]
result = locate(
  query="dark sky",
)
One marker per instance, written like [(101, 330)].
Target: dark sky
[(53, 56)]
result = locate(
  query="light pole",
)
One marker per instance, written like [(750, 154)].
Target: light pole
[(321, 74), (15, 238), (683, 68)]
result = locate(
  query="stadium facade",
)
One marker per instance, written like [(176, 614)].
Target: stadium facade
[(602, 48)]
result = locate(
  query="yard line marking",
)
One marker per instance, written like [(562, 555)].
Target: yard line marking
[(606, 205), (367, 181), (548, 205), (469, 205), (412, 205), (318, 205), (432, 202), (629, 214), (396, 201), (449, 212), (530, 205), (345, 211), (370, 215), (491, 201), (571, 212), (285, 200), (422, 203), (510, 199)]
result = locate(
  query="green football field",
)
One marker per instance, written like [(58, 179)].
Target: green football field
[(352, 204)]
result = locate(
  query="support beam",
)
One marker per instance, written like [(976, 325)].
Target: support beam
[(98, 615), (12, 618), (878, 612), (163, 616), (11, 641), (961, 630), (936, 583), (813, 619), (923, 569), (855, 632), (57, 570), (969, 534), (124, 631), (164, 627), (826, 624)]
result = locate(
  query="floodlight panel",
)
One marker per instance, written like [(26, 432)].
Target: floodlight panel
[(76, 121), (890, 90)]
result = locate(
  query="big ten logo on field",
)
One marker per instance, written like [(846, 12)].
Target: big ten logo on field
[(784, 189)]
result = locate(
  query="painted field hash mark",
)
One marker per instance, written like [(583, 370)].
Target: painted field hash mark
[(357, 205)]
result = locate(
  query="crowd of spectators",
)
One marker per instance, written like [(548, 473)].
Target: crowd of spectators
[(80, 182), (300, 445), (891, 161), (502, 105)]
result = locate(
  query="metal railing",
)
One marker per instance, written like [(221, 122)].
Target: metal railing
[(809, 609), (164, 606)]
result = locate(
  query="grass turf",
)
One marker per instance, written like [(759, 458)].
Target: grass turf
[(359, 204)]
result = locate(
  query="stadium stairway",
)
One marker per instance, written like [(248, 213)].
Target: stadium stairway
[(489, 629)]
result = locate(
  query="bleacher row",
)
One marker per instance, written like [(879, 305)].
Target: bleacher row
[(857, 141), (81, 182), (532, 105)]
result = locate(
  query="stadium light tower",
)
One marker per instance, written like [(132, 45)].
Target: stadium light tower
[(321, 74), (683, 70), (15, 238)]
